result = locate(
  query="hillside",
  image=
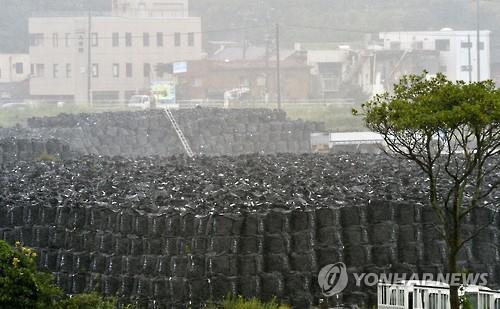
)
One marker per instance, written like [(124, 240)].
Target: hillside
[(300, 18)]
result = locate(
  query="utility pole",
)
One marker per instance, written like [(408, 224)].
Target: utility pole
[(266, 86), (89, 60), (278, 69), (244, 56), (469, 56), (478, 43)]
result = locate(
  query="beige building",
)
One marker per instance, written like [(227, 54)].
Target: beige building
[(124, 49)]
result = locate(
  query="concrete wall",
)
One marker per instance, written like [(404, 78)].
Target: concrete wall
[(172, 260)]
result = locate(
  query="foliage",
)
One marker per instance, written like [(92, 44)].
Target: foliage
[(45, 157), (238, 302), (452, 132), (465, 303), (88, 301), (21, 286)]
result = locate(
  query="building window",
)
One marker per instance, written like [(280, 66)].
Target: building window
[(116, 70), (95, 39), (19, 68), (395, 45), (145, 39), (330, 82), (55, 40), (128, 69), (128, 39), (159, 39), (55, 70), (80, 44), (67, 37), (418, 45), (177, 38), (466, 44), (443, 45), (158, 70), (466, 68), (39, 70), (191, 39), (481, 45), (147, 69), (95, 70), (36, 39), (115, 39), (68, 70)]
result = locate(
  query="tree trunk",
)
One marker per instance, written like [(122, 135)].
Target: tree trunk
[(452, 269)]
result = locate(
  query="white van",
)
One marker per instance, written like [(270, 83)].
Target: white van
[(140, 101)]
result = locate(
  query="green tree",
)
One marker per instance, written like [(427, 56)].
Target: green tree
[(21, 286), (451, 130)]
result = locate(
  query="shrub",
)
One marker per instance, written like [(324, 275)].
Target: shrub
[(87, 301), (45, 157), (21, 286), (232, 302)]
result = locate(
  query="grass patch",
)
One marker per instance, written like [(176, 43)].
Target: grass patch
[(337, 117)]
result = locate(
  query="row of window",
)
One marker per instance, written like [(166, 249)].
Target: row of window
[(38, 39), (66, 70), (440, 44)]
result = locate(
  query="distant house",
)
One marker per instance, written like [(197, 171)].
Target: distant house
[(457, 50), (329, 69), (210, 78)]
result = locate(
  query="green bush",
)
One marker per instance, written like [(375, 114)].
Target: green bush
[(238, 302), (21, 286), (45, 157), (87, 301)]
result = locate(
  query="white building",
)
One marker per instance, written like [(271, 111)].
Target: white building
[(458, 50), (124, 49)]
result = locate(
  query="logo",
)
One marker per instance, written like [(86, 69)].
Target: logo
[(333, 279)]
